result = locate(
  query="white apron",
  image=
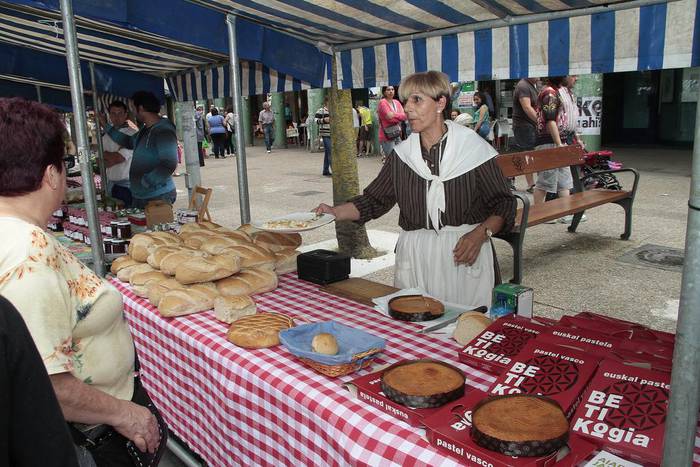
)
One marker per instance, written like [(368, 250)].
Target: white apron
[(424, 258)]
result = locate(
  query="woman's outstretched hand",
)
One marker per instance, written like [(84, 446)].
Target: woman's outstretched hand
[(324, 209)]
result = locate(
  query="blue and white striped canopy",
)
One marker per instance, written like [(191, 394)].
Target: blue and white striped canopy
[(652, 37)]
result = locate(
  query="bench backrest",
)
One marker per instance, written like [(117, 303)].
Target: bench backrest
[(527, 162)]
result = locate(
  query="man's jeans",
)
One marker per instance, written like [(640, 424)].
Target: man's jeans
[(326, 155), (269, 137)]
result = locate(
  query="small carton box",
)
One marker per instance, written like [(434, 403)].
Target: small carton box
[(586, 340), (449, 430), (369, 390), (158, 212), (560, 373), (493, 350), (511, 299), (624, 411)]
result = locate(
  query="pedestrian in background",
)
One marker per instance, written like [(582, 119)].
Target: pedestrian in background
[(229, 124), (525, 119), (201, 133), (266, 123), (364, 136), (391, 115), (323, 120), (552, 122), (217, 132), (482, 122)]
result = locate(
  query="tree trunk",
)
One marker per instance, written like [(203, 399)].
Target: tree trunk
[(352, 237)]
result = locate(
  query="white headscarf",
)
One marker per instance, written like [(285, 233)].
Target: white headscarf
[(464, 151)]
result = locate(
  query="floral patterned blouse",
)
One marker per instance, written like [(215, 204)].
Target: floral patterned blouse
[(75, 317)]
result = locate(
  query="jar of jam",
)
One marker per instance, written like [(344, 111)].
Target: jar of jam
[(114, 226), (118, 247), (108, 246), (124, 230)]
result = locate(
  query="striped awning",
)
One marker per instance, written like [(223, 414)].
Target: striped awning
[(663, 35), (346, 21), (256, 78)]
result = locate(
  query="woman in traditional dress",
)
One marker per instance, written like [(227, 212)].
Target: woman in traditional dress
[(452, 198)]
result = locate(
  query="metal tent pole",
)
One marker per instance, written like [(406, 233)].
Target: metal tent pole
[(186, 123), (98, 136), (76, 92), (238, 114), (38, 94), (682, 418)]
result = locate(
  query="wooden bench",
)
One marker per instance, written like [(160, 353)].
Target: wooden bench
[(522, 163)]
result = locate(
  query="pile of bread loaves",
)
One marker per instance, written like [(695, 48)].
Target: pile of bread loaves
[(206, 266)]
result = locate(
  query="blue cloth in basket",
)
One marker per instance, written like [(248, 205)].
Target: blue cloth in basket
[(351, 341)]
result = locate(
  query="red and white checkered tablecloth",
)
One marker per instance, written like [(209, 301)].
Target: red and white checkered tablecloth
[(263, 407)]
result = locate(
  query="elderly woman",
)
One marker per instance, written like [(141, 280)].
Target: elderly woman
[(452, 198), (75, 317)]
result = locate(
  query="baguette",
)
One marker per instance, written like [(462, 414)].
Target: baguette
[(207, 269), (248, 282), (140, 281), (197, 239), (142, 244), (125, 274), (190, 227), (275, 241), (229, 309), (180, 302), (252, 256), (286, 261), (169, 263), (214, 245), (155, 290), (122, 262), (158, 253), (249, 229)]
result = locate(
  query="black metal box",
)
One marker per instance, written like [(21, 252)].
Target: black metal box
[(323, 266)]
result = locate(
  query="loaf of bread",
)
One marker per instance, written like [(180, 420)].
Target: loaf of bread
[(209, 225), (206, 269), (249, 229), (125, 274), (140, 282), (180, 302), (196, 239), (324, 343), (229, 309), (191, 227), (156, 290), (248, 282), (285, 261), (158, 253), (275, 241), (216, 244), (142, 244), (469, 325), (252, 256), (169, 264), (259, 330), (122, 262)]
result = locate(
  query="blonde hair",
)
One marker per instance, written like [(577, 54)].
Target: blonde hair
[(431, 83)]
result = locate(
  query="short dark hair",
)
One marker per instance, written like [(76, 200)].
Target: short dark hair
[(32, 136), (229, 109), (481, 97), (119, 104), (214, 111), (147, 100), (396, 89), (555, 81)]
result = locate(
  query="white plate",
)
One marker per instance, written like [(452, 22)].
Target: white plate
[(309, 217)]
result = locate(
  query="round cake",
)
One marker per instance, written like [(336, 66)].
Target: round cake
[(415, 308), (520, 425), (422, 383)]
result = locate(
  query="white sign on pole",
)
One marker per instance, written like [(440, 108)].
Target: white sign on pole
[(590, 115)]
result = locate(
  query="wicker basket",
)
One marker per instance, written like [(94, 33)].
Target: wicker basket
[(361, 360)]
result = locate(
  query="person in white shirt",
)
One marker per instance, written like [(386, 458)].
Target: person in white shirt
[(118, 159)]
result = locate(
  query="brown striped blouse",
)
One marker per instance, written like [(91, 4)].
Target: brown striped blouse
[(470, 198)]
